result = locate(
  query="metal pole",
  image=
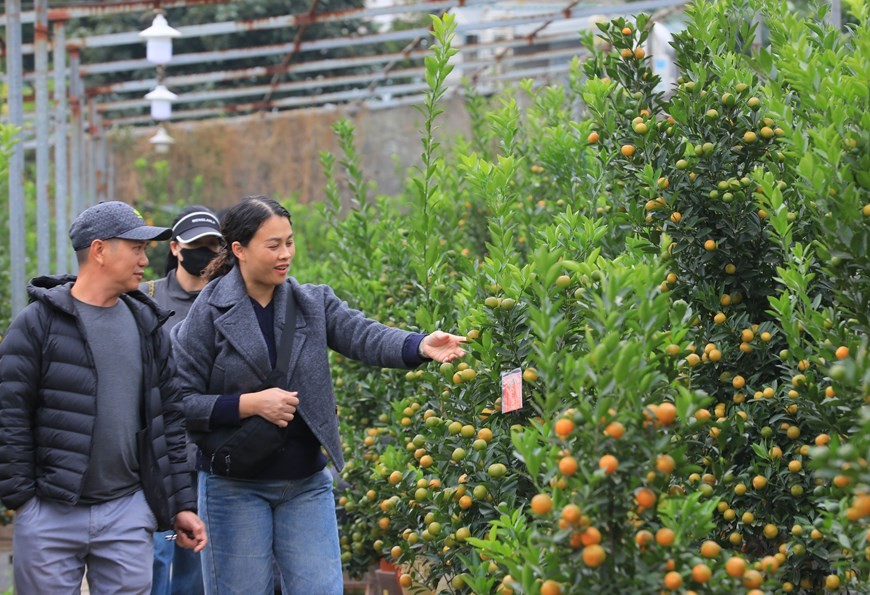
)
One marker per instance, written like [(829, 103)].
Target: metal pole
[(759, 32), (90, 174), (90, 156), (110, 169), (43, 216), (61, 204), (77, 141), (86, 169), (835, 17), (99, 158), (14, 77)]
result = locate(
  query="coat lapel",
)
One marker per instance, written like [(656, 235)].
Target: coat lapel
[(280, 300), (238, 325)]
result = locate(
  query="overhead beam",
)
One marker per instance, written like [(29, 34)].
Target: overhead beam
[(274, 22), (335, 81), (187, 80), (283, 48), (346, 42), (100, 9), (369, 104), (391, 91)]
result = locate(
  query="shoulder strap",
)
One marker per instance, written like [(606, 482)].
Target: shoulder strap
[(285, 345)]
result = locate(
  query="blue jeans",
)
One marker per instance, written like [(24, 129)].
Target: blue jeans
[(160, 584), (177, 571), (251, 521)]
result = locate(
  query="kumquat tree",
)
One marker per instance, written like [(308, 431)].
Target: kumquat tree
[(679, 278)]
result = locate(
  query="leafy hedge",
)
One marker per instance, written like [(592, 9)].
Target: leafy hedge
[(681, 277)]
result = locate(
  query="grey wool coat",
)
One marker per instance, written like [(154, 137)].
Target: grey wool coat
[(220, 350)]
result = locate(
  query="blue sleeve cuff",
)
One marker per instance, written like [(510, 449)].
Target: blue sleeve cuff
[(411, 350), (226, 411)]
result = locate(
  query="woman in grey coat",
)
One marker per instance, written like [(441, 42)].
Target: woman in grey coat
[(225, 349)]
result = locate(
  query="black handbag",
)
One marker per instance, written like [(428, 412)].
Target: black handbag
[(243, 452)]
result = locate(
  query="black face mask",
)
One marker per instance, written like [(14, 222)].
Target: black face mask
[(196, 259)]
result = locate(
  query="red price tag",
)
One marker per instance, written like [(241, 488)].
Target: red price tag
[(511, 391)]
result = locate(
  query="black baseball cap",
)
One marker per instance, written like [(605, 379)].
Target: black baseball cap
[(113, 219), (196, 225)]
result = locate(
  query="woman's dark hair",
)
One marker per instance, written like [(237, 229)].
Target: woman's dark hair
[(172, 259), (239, 224)]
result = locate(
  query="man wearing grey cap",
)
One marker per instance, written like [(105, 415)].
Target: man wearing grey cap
[(92, 435)]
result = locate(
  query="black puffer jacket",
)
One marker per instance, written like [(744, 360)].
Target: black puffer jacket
[(48, 404)]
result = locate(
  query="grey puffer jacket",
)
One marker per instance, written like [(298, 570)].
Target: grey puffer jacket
[(48, 404)]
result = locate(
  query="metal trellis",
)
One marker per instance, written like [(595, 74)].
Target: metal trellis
[(516, 40)]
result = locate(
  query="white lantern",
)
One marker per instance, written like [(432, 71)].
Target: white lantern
[(161, 140), (158, 47), (161, 100)]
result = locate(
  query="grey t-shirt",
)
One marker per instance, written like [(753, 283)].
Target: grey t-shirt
[(113, 337)]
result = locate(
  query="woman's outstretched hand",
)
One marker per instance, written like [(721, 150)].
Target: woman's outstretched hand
[(442, 347)]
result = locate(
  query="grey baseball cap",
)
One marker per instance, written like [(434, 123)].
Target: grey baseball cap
[(113, 219)]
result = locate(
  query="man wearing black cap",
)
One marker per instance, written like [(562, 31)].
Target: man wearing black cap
[(92, 437), (196, 239)]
